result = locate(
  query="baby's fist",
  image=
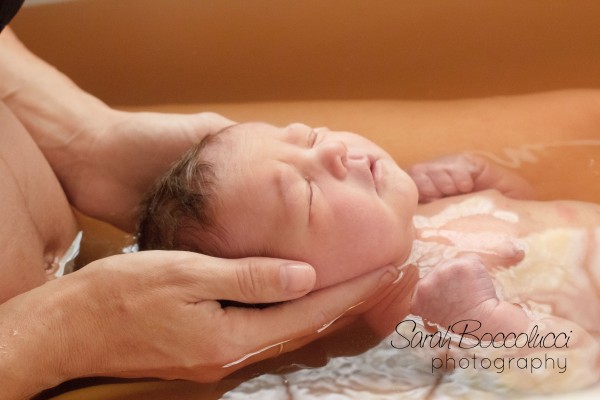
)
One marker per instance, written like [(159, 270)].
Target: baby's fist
[(446, 176), (454, 290)]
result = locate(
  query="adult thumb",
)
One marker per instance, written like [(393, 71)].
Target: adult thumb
[(261, 280)]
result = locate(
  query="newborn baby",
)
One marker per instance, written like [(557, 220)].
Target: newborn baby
[(485, 252)]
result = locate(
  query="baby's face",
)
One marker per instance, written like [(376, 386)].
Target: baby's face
[(332, 199)]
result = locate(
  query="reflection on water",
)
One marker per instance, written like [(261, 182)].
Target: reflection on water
[(382, 372), (352, 365), (544, 165)]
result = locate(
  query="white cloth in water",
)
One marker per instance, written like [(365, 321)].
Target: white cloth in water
[(67, 262)]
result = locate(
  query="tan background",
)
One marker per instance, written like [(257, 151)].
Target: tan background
[(165, 51)]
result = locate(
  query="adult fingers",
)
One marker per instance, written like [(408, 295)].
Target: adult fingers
[(265, 331), (247, 280)]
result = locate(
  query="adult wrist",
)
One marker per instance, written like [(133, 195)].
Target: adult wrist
[(39, 330)]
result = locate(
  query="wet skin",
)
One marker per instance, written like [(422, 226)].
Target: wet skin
[(38, 224)]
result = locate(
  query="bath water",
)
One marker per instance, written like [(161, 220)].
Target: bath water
[(353, 364)]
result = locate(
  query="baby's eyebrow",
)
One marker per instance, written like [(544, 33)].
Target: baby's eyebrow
[(297, 136)]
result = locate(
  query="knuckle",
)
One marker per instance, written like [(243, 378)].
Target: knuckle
[(250, 279)]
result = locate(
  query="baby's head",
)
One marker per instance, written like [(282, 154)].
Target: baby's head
[(332, 199)]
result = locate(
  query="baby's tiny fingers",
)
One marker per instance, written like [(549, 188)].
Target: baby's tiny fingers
[(463, 180), (443, 182), (427, 189)]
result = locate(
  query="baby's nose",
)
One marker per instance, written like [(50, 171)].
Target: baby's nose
[(332, 155)]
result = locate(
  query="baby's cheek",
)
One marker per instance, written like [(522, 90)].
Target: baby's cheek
[(357, 239), (341, 264)]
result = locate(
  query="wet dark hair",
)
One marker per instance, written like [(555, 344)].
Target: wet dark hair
[(182, 200), (180, 205)]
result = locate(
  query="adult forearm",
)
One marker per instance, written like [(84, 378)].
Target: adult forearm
[(105, 159), (49, 104), (34, 353)]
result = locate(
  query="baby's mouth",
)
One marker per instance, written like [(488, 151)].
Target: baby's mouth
[(375, 172), (361, 161)]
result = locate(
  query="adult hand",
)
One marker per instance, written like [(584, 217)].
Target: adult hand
[(155, 314), (111, 166)]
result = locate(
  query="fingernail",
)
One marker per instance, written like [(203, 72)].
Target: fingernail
[(297, 277)]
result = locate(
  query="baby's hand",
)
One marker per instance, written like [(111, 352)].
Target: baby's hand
[(464, 173), (455, 290), (445, 176)]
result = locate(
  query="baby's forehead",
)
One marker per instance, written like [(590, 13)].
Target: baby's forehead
[(263, 130), (239, 146), (250, 128), (240, 139)]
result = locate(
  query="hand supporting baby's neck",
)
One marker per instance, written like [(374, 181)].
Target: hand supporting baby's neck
[(393, 304)]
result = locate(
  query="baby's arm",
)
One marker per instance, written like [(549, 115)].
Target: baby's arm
[(462, 290), (465, 173)]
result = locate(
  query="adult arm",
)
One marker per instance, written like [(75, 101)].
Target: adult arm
[(465, 173), (154, 314), (100, 155)]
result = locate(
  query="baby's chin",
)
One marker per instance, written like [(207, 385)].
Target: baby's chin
[(345, 269)]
